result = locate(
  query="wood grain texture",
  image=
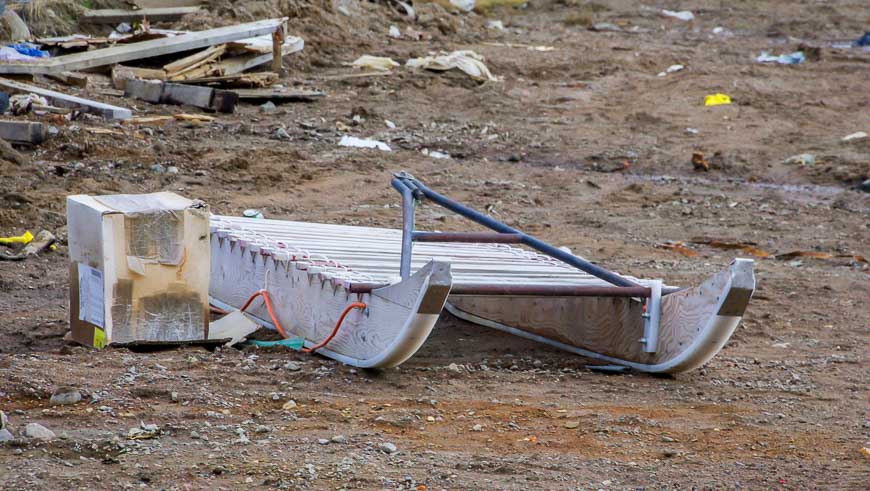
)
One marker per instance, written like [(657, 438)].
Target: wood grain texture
[(115, 16), (64, 100), (144, 49), (695, 324), (307, 305)]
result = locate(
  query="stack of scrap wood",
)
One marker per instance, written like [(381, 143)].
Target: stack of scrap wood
[(203, 61)]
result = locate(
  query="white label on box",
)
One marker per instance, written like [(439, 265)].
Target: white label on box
[(91, 295)]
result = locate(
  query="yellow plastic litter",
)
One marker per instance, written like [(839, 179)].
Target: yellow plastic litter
[(24, 238), (716, 100)]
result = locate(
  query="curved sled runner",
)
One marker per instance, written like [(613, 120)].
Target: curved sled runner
[(309, 299), (695, 322)]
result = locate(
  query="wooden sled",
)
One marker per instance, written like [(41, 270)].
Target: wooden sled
[(313, 270)]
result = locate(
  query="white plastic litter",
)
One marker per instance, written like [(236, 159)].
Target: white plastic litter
[(682, 15), (352, 141), (671, 69), (395, 32), (463, 5), (860, 135), (435, 154)]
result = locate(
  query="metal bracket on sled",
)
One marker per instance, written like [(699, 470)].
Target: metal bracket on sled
[(413, 192)]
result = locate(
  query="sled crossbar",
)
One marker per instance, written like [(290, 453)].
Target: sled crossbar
[(414, 191)]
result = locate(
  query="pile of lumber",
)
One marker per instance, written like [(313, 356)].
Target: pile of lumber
[(163, 66)]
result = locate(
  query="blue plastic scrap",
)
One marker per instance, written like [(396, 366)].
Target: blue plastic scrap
[(29, 49), (863, 40), (795, 58), (292, 343)]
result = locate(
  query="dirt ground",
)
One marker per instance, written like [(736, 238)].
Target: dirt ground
[(584, 146)]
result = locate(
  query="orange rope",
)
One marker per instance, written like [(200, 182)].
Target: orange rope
[(268, 302)]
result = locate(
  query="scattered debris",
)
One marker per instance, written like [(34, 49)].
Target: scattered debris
[(379, 63), (352, 141), (671, 69), (44, 240), (678, 246), (143, 432), (699, 163), (746, 247), (63, 100), (434, 154), (253, 213), (495, 24), (394, 32), (233, 326), (684, 15), (803, 159), (860, 135), (294, 343), (571, 425), (819, 255), (790, 59), (467, 61), (38, 432), (716, 100), (23, 103), (863, 40), (6, 435), (605, 27)]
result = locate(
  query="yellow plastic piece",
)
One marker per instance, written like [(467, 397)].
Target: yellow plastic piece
[(716, 100), (99, 338), (24, 238)]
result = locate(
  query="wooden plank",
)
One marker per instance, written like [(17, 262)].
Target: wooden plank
[(144, 49), (64, 100), (156, 4), (277, 55), (116, 16), (120, 75), (279, 95), (258, 79), (23, 132), (157, 92), (189, 62), (71, 78)]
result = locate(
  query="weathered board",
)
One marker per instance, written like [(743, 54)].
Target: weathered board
[(64, 100), (145, 49)]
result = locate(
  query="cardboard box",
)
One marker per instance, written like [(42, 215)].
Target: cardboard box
[(139, 269)]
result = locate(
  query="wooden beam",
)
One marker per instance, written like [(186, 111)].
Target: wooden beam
[(116, 16), (277, 53), (279, 95), (20, 132), (157, 92), (144, 49), (65, 100), (120, 75), (189, 62), (156, 4), (71, 78)]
